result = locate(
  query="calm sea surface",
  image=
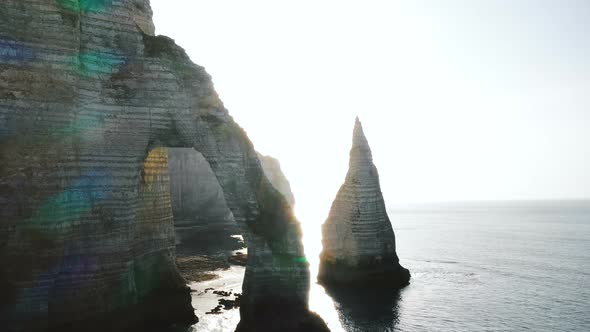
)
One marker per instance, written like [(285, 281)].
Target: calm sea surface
[(476, 267)]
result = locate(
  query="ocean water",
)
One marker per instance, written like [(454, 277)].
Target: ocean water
[(484, 267), (512, 266)]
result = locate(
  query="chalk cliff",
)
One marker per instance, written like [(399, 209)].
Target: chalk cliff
[(88, 95), (274, 173), (196, 193), (197, 196), (202, 219), (358, 239)]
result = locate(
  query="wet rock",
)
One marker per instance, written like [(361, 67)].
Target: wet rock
[(238, 259), (230, 304), (222, 293), (215, 311)]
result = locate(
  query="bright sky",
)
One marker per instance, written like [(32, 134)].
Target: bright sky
[(460, 100)]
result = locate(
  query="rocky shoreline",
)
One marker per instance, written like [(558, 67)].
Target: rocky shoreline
[(197, 268), (215, 280)]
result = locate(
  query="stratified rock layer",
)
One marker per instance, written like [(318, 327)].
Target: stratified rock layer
[(358, 240), (274, 173), (202, 219), (87, 95), (203, 222), (197, 197), (196, 193)]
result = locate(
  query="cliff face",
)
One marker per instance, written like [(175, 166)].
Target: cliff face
[(358, 240), (197, 196), (202, 219), (203, 222), (87, 95), (272, 170), (196, 193)]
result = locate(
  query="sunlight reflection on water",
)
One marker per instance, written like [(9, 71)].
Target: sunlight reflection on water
[(319, 301), (203, 300), (484, 266)]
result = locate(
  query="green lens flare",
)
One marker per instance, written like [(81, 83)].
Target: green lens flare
[(301, 259), (96, 64), (85, 6)]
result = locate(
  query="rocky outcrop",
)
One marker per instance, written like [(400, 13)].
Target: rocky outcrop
[(197, 196), (87, 96), (358, 240), (203, 222), (272, 170)]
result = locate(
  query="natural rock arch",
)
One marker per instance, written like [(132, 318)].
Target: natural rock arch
[(91, 93), (197, 197)]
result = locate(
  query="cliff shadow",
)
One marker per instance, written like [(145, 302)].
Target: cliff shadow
[(203, 223), (209, 239), (370, 309)]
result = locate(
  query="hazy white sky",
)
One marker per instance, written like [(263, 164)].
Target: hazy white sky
[(460, 100)]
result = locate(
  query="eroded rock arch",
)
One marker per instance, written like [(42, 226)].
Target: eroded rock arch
[(90, 93)]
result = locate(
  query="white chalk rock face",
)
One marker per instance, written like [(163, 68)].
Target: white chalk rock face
[(358, 239), (89, 97), (272, 169)]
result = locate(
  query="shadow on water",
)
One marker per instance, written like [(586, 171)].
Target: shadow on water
[(366, 309)]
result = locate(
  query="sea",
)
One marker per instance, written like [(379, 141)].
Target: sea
[(485, 266)]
